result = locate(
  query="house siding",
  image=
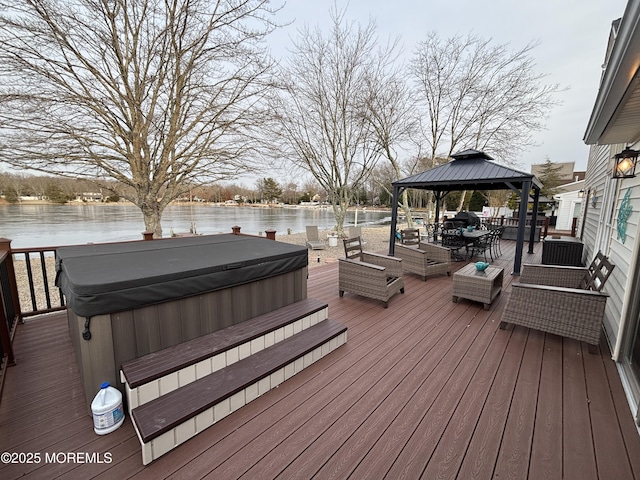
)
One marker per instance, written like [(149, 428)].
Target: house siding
[(616, 118), (622, 254), (594, 181), (600, 231)]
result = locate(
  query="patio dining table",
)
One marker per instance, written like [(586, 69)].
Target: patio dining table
[(475, 234), (468, 237), (472, 236)]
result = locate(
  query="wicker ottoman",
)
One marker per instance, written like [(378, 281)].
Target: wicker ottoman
[(479, 286)]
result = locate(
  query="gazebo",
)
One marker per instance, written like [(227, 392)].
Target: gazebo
[(473, 170)]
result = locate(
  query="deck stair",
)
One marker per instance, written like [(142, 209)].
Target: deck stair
[(178, 392)]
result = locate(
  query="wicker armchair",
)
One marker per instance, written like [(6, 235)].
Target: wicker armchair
[(369, 274), (424, 259), (566, 301)]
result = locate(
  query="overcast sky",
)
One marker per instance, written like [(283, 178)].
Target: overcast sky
[(572, 36)]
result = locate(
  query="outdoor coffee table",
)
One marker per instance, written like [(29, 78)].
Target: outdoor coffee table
[(478, 286)]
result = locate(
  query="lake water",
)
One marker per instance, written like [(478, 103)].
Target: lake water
[(52, 225)]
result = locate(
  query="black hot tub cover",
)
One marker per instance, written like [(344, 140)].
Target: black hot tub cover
[(109, 278)]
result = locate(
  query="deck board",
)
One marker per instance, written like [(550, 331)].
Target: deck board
[(577, 448), (425, 388), (607, 441), (480, 457), (546, 454), (515, 452), (625, 418), (359, 423)]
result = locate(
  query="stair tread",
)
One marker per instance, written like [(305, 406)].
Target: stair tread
[(168, 411), (163, 362)]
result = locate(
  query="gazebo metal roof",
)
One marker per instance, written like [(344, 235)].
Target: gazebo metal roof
[(473, 170)]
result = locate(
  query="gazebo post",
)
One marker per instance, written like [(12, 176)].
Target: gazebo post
[(522, 221), (435, 223), (534, 218), (394, 219)]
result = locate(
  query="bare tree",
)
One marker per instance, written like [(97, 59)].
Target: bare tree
[(159, 95), (14, 186), (381, 177), (478, 95), (322, 125), (290, 193), (497, 199), (392, 117)]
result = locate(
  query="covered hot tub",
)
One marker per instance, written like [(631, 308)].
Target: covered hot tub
[(126, 300)]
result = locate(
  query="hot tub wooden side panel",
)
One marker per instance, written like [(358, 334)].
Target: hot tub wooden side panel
[(123, 336), (95, 357)]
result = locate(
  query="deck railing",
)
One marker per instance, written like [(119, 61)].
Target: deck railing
[(542, 222), (9, 308), (38, 292)]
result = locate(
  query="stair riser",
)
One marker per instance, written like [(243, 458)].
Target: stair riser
[(188, 429), (156, 388)]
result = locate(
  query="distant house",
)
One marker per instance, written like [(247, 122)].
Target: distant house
[(566, 171), (611, 209), (90, 197), (568, 204), (568, 199)]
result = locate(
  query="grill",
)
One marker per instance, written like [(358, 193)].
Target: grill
[(469, 218)]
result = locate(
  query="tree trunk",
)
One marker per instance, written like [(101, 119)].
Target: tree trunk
[(340, 212), (404, 204), (461, 204), (152, 212)]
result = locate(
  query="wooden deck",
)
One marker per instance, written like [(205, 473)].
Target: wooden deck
[(424, 389)]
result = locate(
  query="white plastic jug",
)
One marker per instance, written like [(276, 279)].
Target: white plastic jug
[(107, 410)]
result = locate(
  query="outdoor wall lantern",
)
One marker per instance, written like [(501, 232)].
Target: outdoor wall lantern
[(625, 163), (581, 194)]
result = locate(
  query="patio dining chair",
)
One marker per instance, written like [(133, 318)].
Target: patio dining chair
[(429, 231), (497, 236), (482, 245), (566, 301), (454, 241), (369, 274), (313, 239)]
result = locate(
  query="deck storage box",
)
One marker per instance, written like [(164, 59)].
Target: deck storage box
[(562, 250)]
